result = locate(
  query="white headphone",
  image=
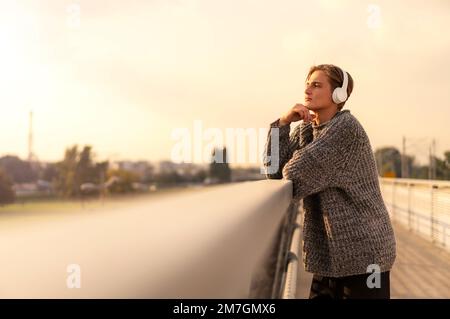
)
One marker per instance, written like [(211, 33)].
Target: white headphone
[(340, 93)]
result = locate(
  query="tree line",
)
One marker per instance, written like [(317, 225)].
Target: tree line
[(79, 174), (389, 164)]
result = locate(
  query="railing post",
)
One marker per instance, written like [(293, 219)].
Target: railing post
[(432, 214), (269, 282), (290, 282), (284, 251), (409, 206)]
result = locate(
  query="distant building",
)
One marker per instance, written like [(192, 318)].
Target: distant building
[(40, 187), (143, 169), (180, 168), (246, 174)]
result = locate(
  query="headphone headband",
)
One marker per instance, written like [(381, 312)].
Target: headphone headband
[(345, 82)]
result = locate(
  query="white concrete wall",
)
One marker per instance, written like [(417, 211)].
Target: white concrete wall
[(196, 245)]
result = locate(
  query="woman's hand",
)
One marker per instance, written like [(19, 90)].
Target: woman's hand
[(296, 113)]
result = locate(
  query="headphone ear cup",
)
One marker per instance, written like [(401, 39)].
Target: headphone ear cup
[(339, 95), (342, 95), (335, 96)]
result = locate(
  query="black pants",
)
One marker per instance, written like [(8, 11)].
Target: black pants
[(351, 287)]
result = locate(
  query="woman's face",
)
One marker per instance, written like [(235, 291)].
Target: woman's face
[(318, 92)]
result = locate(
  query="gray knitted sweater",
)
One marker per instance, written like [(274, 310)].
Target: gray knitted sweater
[(346, 225)]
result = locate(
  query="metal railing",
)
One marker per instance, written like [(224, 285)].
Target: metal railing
[(422, 206), (293, 263), (227, 241)]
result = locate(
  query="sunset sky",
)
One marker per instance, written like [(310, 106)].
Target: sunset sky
[(123, 75)]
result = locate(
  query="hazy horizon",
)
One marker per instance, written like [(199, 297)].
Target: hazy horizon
[(122, 77)]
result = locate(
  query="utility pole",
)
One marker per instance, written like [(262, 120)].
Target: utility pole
[(433, 159), (403, 160), (432, 164), (30, 138)]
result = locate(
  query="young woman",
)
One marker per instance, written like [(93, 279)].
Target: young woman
[(348, 240)]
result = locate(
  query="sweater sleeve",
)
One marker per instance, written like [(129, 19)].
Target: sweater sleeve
[(323, 162), (284, 149)]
